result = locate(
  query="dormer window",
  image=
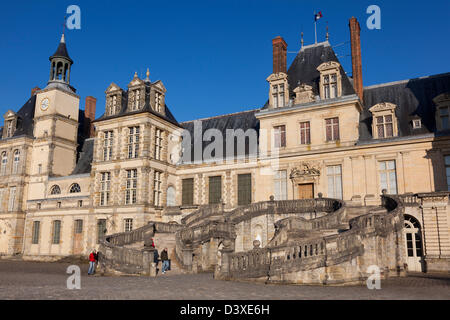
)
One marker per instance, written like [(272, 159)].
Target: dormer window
[(9, 128), (112, 106), (278, 95), (417, 123), (158, 102), (384, 123), (135, 100), (330, 80), (10, 124), (442, 111), (113, 100)]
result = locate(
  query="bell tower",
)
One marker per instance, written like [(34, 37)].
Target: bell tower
[(56, 119)]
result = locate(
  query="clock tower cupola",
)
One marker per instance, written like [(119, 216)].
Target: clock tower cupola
[(60, 66)]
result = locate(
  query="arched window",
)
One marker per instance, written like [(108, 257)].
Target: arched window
[(55, 190), (4, 163), (75, 188), (16, 161), (170, 196)]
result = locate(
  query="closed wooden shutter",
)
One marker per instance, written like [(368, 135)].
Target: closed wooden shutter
[(36, 227), (215, 189), (56, 231), (188, 192), (244, 189)]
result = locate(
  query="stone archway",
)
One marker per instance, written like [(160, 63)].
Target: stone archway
[(412, 234)]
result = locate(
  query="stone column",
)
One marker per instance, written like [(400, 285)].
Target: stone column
[(187, 256), (435, 224)]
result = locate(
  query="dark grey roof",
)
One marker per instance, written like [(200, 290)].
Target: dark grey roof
[(168, 116), (242, 120), (61, 51), (414, 98), (25, 123), (85, 158)]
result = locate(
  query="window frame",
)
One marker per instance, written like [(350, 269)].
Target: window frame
[(332, 125)]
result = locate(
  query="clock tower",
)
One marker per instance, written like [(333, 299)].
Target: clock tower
[(56, 119)]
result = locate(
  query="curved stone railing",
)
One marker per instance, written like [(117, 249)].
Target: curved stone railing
[(114, 256), (315, 253), (203, 213)]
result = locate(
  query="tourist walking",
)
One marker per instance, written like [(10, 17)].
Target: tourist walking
[(165, 260), (156, 258), (92, 262)]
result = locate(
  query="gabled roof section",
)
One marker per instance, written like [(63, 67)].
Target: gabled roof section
[(413, 99), (25, 115), (85, 159)]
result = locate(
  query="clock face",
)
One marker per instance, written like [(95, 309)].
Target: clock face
[(44, 104)]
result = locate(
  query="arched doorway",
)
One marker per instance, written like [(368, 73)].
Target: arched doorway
[(413, 244)]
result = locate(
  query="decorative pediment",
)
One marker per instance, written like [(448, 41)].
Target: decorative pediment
[(306, 171), (112, 88), (328, 66), (160, 86), (304, 94), (442, 98), (277, 76), (136, 82), (384, 106), (10, 115)]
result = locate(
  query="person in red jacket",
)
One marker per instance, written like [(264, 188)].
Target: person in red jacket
[(92, 262)]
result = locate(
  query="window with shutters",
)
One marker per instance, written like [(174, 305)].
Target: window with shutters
[(305, 134), (244, 189), (334, 177), (108, 141), (157, 189), (215, 189), (56, 231), (187, 192), (36, 232), (78, 226), (280, 185), (105, 187), (388, 176), (101, 229), (131, 187), (279, 136), (133, 142), (332, 129)]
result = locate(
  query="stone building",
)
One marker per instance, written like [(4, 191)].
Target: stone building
[(321, 133)]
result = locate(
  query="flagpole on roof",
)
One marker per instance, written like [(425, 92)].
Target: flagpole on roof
[(315, 27)]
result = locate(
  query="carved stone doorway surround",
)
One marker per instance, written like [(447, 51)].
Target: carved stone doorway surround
[(305, 173)]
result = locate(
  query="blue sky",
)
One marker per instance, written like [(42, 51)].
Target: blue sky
[(213, 56)]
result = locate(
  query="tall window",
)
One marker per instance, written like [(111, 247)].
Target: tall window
[(131, 190), (157, 191), (158, 144), (136, 99), (278, 96), (187, 192), (105, 188), (108, 145), (279, 136), (128, 225), (330, 86), (171, 196), (215, 189), (305, 134), (101, 229), (16, 161), (112, 105), (133, 142), (36, 231), (2, 195), (332, 129), (388, 176), (447, 171), (12, 199), (443, 115), (56, 231), (280, 185), (158, 101), (385, 127), (78, 226), (334, 176), (75, 188), (4, 163), (244, 189), (55, 190)]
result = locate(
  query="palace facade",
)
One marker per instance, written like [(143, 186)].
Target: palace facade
[(67, 179)]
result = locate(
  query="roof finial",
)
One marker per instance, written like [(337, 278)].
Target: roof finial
[(148, 74), (63, 40), (303, 41), (136, 74), (328, 35)]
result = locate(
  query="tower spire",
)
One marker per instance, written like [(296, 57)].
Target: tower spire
[(302, 41), (328, 35)]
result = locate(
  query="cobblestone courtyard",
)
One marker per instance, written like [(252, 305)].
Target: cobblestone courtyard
[(36, 280)]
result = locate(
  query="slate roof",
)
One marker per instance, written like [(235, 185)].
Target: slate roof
[(61, 51), (414, 98), (85, 157), (242, 120), (168, 116), (25, 123)]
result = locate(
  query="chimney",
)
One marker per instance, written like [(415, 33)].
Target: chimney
[(34, 90), (279, 55), (89, 116), (355, 39)]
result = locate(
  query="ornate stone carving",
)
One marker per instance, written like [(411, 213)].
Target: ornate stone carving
[(307, 171), (303, 94)]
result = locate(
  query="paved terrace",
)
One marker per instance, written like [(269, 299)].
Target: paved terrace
[(39, 280)]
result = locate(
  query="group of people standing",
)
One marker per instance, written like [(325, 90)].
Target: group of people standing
[(93, 262), (164, 258)]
